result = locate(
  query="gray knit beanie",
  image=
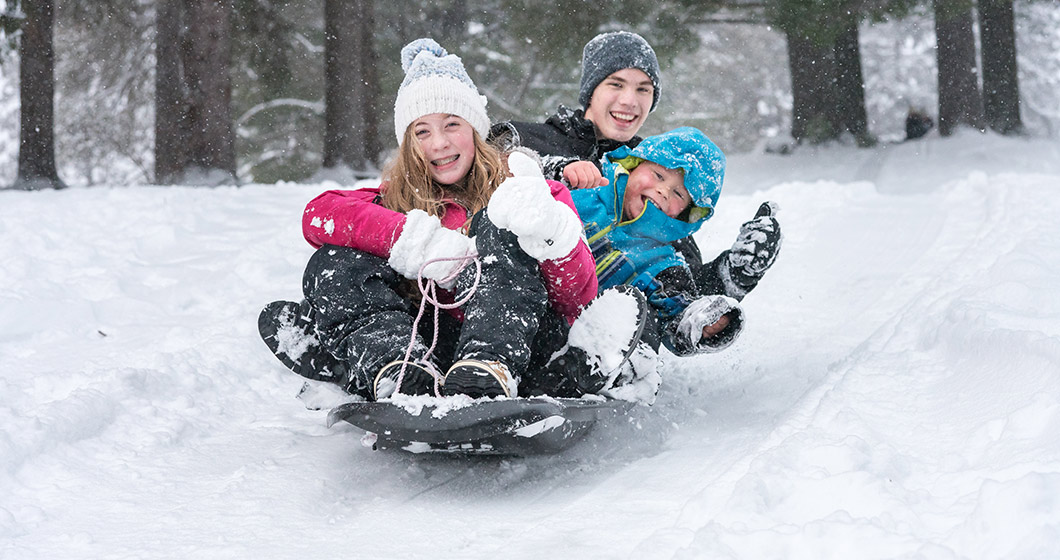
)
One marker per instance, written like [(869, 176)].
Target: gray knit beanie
[(608, 53)]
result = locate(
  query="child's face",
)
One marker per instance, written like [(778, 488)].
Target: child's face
[(620, 104), (652, 183), (448, 142)]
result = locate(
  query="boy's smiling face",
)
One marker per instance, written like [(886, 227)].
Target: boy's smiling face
[(651, 183), (620, 104)]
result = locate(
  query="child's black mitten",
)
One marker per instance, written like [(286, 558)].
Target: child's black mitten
[(756, 247)]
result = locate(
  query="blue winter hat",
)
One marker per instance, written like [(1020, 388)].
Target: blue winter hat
[(608, 53), (436, 82), (688, 149)]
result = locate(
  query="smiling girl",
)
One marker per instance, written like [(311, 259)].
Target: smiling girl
[(518, 292)]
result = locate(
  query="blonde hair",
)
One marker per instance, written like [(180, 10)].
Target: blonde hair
[(408, 184)]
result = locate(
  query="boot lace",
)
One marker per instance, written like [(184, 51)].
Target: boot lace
[(429, 289)]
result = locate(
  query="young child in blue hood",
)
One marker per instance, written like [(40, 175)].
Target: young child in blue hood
[(661, 191), (658, 192)]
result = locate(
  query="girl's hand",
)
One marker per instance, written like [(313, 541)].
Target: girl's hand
[(547, 228), (422, 241), (583, 175)]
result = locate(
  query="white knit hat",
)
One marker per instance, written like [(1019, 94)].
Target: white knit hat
[(436, 82)]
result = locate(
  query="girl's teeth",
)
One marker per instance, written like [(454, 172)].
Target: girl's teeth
[(449, 159)]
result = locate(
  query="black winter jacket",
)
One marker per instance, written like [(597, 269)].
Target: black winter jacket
[(564, 138)]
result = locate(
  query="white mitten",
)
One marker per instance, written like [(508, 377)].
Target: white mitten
[(523, 204), (706, 311), (424, 238)]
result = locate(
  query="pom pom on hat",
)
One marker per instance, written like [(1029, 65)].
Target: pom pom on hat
[(436, 82), (608, 53), (411, 50)]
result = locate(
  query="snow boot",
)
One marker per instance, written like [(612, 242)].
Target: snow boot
[(479, 378), (418, 379), (604, 337), (289, 330), (638, 379)]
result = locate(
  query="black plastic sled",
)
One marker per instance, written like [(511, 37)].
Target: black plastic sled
[(523, 426)]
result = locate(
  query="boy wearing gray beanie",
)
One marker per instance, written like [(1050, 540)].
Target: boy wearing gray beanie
[(608, 53), (575, 140), (625, 64), (620, 85)]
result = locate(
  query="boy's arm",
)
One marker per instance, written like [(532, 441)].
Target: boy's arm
[(737, 271), (552, 167), (689, 250), (507, 136), (583, 175), (692, 323)]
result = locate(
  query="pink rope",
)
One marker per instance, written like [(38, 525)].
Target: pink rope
[(429, 290)]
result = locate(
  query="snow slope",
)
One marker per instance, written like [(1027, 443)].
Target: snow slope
[(896, 393)]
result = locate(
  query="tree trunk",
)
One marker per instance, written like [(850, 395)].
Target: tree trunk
[(351, 115), (1001, 92), (850, 83), (207, 55), (814, 116), (36, 153), (195, 138), (960, 102), (170, 105)]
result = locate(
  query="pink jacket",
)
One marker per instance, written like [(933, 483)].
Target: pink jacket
[(352, 218)]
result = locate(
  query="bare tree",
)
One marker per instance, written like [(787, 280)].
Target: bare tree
[(36, 154), (170, 141), (960, 102), (812, 64), (824, 58), (194, 135), (1001, 92), (351, 113), (850, 83)]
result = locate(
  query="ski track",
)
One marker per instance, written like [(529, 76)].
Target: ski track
[(860, 400), (873, 399)]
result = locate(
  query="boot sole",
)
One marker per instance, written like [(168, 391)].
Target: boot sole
[(417, 380), (468, 377), (269, 324)]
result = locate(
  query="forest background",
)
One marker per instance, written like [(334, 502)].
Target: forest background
[(307, 84)]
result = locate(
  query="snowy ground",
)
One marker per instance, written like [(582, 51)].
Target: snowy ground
[(896, 393)]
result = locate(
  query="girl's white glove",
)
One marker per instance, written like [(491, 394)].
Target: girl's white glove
[(547, 228), (424, 238)]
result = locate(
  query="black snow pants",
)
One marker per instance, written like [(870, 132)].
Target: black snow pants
[(365, 315)]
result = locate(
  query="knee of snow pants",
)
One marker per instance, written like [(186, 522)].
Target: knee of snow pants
[(503, 317), (361, 315)]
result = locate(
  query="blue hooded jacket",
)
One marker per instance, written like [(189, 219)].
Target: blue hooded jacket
[(636, 250)]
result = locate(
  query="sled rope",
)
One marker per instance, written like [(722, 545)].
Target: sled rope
[(429, 290)]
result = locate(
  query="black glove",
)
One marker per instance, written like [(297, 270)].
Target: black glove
[(756, 247)]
